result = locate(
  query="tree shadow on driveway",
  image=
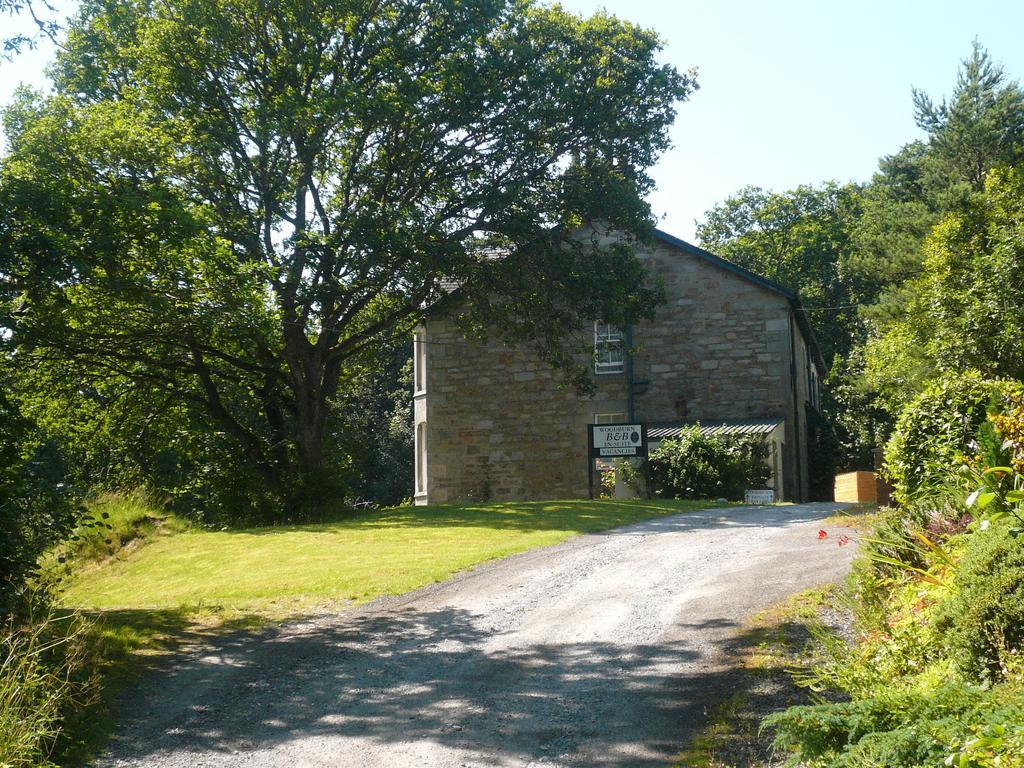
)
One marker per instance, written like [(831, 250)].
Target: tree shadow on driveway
[(348, 687)]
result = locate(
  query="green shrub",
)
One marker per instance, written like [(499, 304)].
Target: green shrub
[(918, 743), (44, 674), (937, 676), (898, 729), (867, 594), (695, 466), (891, 554), (37, 506), (1009, 423), (983, 618), (607, 481), (998, 743), (894, 536), (936, 429)]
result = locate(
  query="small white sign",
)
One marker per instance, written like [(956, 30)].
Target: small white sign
[(617, 440), (759, 497), (617, 435), (617, 451)]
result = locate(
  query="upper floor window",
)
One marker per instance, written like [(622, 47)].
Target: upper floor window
[(814, 386), (608, 351), (419, 360)]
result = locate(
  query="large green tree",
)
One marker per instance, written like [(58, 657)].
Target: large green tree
[(979, 127), (922, 201), (965, 310), (227, 204)]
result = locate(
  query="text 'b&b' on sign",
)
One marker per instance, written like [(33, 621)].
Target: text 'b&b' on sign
[(612, 440)]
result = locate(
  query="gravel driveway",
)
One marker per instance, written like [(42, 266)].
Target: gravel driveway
[(597, 652)]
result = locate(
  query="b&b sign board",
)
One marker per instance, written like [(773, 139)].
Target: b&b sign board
[(611, 441)]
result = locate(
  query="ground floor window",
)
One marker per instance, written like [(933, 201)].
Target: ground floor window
[(421, 457)]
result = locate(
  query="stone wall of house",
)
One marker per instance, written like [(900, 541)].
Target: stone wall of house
[(499, 425), (717, 349)]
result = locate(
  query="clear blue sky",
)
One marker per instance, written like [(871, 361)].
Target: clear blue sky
[(792, 91)]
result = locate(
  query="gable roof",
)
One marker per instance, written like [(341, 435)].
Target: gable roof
[(764, 282)]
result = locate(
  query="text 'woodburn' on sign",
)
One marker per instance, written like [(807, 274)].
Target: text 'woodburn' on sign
[(613, 440)]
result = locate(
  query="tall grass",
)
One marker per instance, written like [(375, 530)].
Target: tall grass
[(45, 672), (115, 522)]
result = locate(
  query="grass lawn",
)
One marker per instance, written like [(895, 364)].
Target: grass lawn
[(290, 569)]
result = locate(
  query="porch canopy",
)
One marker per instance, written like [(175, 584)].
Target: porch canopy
[(736, 428)]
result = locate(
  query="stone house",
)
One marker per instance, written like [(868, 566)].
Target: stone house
[(729, 350)]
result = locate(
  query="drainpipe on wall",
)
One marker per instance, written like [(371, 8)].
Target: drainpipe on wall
[(631, 398), (630, 403), (796, 405)]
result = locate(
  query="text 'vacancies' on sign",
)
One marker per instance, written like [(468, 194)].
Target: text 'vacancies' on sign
[(609, 440)]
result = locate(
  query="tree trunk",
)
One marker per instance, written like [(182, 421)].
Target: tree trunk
[(310, 422), (309, 440)]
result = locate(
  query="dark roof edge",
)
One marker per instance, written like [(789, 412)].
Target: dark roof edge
[(764, 282), (736, 269)]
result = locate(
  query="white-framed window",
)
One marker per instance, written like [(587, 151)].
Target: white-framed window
[(814, 385), (609, 418), (419, 360), (608, 348), (421, 457)]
